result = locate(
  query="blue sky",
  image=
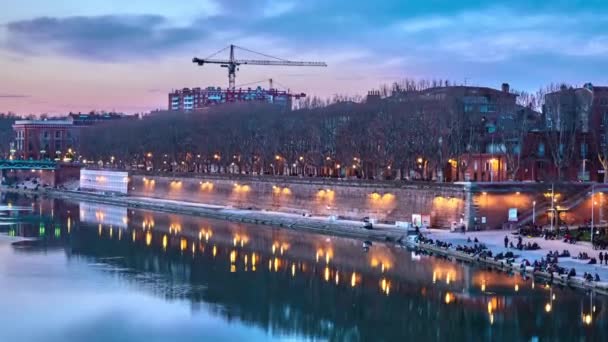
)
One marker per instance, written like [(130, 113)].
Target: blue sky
[(65, 55)]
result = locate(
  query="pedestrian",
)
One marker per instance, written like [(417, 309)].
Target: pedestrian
[(601, 256), (506, 241)]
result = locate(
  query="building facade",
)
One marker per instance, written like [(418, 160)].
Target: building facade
[(197, 99), (572, 138), (44, 139)]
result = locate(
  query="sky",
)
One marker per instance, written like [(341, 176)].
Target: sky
[(67, 55)]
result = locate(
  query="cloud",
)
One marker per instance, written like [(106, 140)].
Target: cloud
[(101, 38), (13, 96), (278, 9), (499, 34), (422, 24)]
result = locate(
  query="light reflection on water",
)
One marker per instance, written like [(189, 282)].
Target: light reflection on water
[(112, 273)]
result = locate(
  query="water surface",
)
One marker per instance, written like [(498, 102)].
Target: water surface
[(88, 272)]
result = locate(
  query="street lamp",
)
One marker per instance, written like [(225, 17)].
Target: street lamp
[(592, 210), (552, 204)]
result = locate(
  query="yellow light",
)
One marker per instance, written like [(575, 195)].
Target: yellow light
[(148, 239), (214, 251), (353, 280), (183, 244), (165, 241), (326, 273), (489, 307), (419, 160), (301, 158), (254, 260), (232, 268), (548, 307), (491, 318), (233, 256), (483, 287), (293, 270), (516, 287), (277, 264), (133, 236), (588, 319), (274, 248), (448, 298), (337, 278), (193, 248), (434, 277)]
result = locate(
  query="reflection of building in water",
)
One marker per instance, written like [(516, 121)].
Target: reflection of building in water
[(318, 286), (104, 214)]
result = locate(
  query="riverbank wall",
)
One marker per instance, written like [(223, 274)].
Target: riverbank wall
[(442, 205), (477, 206)]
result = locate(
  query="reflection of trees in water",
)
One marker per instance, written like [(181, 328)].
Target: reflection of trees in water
[(306, 304)]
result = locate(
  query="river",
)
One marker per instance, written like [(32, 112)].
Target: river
[(87, 272)]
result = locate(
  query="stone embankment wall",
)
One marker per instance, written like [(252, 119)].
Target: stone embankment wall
[(479, 205), (384, 201)]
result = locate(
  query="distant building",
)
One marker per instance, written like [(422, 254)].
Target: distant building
[(575, 129), (88, 119), (197, 99), (44, 139)]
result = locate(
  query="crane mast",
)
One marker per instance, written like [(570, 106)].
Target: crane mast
[(232, 64)]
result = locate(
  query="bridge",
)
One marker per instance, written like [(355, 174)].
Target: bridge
[(7, 164)]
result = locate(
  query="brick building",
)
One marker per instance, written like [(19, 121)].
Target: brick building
[(571, 137), (44, 139)]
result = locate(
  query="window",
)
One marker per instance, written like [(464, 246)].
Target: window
[(483, 108), (468, 108), (57, 134), (541, 150), (45, 134), (583, 150)]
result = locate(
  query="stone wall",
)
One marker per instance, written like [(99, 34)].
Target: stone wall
[(384, 201)]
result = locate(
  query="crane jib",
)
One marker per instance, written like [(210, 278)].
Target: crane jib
[(232, 63)]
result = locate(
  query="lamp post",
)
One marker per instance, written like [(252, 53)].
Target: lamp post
[(592, 209), (552, 205)]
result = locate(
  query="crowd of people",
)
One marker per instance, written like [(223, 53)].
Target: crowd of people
[(548, 264)]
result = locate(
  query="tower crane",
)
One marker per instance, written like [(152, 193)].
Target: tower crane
[(232, 64)]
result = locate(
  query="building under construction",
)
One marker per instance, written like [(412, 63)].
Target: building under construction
[(197, 99)]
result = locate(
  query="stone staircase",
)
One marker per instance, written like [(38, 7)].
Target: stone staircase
[(571, 202)]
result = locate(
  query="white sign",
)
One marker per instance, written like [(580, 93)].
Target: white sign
[(483, 219), (417, 220), (102, 180), (513, 215)]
